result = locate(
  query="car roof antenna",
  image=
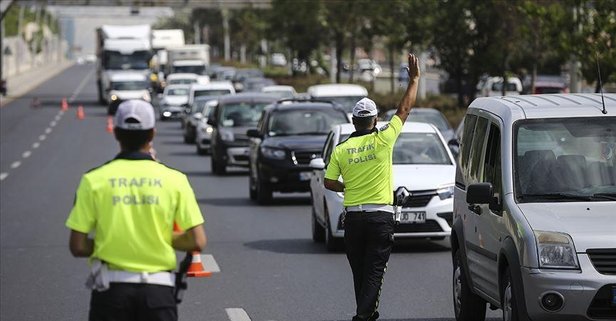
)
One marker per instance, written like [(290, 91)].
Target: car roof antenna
[(604, 111)]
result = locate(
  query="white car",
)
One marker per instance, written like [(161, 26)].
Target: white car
[(345, 95), (173, 100), (422, 164), (203, 133), (214, 88), (493, 87), (181, 79), (127, 85), (281, 91)]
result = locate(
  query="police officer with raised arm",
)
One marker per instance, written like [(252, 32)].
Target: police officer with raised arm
[(364, 161), (131, 204)]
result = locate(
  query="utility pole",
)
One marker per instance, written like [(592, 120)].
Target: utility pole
[(225, 27), (18, 47), (197, 32)]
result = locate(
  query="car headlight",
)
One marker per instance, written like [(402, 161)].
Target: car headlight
[(273, 153), (556, 250), (445, 191), (114, 97), (167, 114), (207, 130), (226, 135)]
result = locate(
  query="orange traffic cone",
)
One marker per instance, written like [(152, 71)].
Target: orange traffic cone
[(64, 104), (109, 124), (80, 114), (195, 269)]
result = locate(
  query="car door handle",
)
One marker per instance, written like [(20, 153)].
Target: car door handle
[(475, 209)]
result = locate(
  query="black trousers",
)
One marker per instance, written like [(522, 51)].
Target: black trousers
[(132, 301), (368, 238)]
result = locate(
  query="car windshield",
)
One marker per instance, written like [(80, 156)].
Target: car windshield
[(347, 102), (129, 85), (242, 114), (417, 149), (203, 107), (199, 70), (177, 92), (431, 118), (212, 92), (182, 81), (114, 60), (304, 122), (566, 159)]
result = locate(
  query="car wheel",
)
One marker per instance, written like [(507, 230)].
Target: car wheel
[(332, 244), (508, 304), (318, 232), (201, 151), (467, 305), (252, 189), (264, 192)]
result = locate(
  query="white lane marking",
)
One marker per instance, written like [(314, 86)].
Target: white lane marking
[(209, 264), (15, 164), (237, 314), (47, 130), (42, 137), (26, 154), (53, 123), (36, 145), (84, 81), (3, 176)]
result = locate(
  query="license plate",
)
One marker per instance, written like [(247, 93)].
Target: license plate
[(305, 176), (614, 296), (413, 217)]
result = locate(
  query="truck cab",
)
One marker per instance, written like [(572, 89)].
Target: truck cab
[(125, 86)]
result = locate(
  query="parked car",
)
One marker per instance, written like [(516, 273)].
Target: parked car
[(493, 86), (421, 164), (127, 85), (198, 111), (256, 84), (243, 74), (204, 130), (171, 105), (233, 116), (535, 209), (290, 134), (546, 84), (346, 95), (283, 92)]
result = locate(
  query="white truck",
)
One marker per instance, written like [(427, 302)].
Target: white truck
[(193, 59), (121, 48), (162, 40)]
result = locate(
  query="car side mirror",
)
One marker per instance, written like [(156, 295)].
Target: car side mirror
[(317, 163), (480, 193), (198, 115), (253, 133)]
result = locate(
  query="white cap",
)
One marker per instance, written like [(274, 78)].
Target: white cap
[(365, 108), (135, 115)]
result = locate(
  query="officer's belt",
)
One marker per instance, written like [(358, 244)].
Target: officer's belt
[(160, 278), (370, 208)]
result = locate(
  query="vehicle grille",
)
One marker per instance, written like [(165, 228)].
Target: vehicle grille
[(419, 198), (428, 226), (604, 260), (601, 306), (240, 158), (304, 157)]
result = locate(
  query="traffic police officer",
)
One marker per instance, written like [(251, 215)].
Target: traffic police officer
[(364, 161), (130, 204)]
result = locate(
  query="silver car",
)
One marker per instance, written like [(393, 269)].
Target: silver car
[(534, 230)]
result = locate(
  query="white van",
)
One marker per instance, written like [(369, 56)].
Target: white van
[(126, 85), (214, 88), (534, 230), (346, 95)]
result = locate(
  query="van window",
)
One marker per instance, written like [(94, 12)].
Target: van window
[(469, 127), (475, 156), (492, 164), (567, 159)]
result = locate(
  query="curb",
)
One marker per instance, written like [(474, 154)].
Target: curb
[(36, 80)]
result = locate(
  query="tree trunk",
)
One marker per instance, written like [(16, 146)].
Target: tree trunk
[(461, 90), (392, 50), (352, 58), (533, 78), (339, 49)]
